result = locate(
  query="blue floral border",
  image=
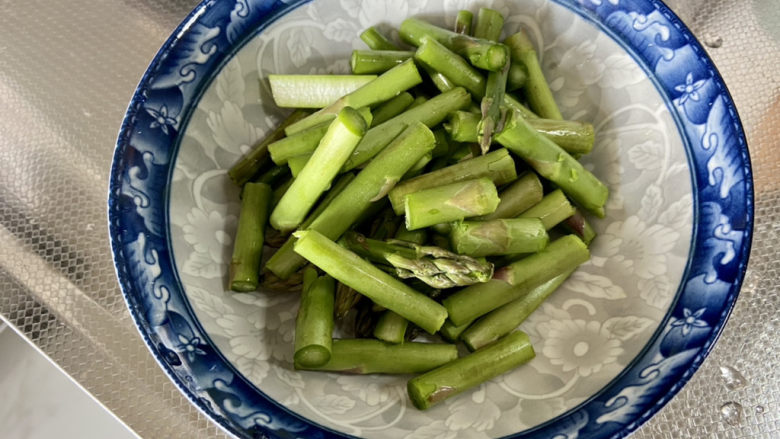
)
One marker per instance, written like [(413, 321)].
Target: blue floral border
[(697, 99)]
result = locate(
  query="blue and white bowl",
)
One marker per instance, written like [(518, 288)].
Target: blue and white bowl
[(619, 339)]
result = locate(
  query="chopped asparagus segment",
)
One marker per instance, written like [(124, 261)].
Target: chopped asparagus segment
[(392, 108), (250, 164), (483, 54), (554, 164), (505, 319), (365, 62), (386, 86), (313, 91), (365, 356), (579, 225), (523, 193), (302, 142), (430, 113), (335, 147), (391, 327), (470, 371), (551, 210), (383, 289), (489, 25), (370, 185), (314, 323), (451, 202), (463, 22), (516, 280), (498, 237), (248, 244), (496, 165), (297, 163), (436, 56), (537, 92), (376, 41)]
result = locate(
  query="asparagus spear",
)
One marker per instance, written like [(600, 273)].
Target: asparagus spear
[(335, 147), (452, 333), (391, 327), (365, 62), (554, 164), (248, 245), (430, 113), (498, 237), (415, 236), (442, 147), (464, 373), (493, 110), (483, 54), (392, 108), (490, 23), (364, 356), (376, 41), (370, 281), (250, 164), (551, 210), (314, 91), (302, 142), (537, 92), (438, 57), (516, 279), (314, 323), (435, 266), (441, 82), (370, 185), (451, 202), (496, 165), (386, 86), (297, 163), (505, 319), (516, 78), (273, 176), (463, 22), (572, 136), (579, 225), (523, 193)]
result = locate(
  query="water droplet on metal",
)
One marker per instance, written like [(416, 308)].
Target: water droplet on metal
[(759, 409), (731, 412), (713, 41), (734, 380)]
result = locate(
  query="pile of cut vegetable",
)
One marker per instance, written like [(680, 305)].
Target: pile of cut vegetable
[(436, 189)]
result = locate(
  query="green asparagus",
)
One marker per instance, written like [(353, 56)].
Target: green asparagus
[(376, 41), (496, 165), (365, 62), (537, 92), (314, 323), (463, 22), (516, 198), (498, 237), (466, 372), (248, 244), (391, 327), (505, 319), (314, 91), (516, 279), (551, 210), (364, 356), (451, 202), (335, 147), (380, 287)]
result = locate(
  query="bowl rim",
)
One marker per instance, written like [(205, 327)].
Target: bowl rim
[(594, 12)]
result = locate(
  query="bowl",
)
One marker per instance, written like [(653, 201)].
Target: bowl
[(618, 340)]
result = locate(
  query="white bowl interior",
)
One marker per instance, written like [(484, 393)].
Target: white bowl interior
[(584, 335)]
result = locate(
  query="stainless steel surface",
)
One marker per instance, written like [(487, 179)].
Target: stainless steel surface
[(67, 71)]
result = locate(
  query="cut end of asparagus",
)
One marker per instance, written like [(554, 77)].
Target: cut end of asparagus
[(355, 120), (242, 286), (311, 356)]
